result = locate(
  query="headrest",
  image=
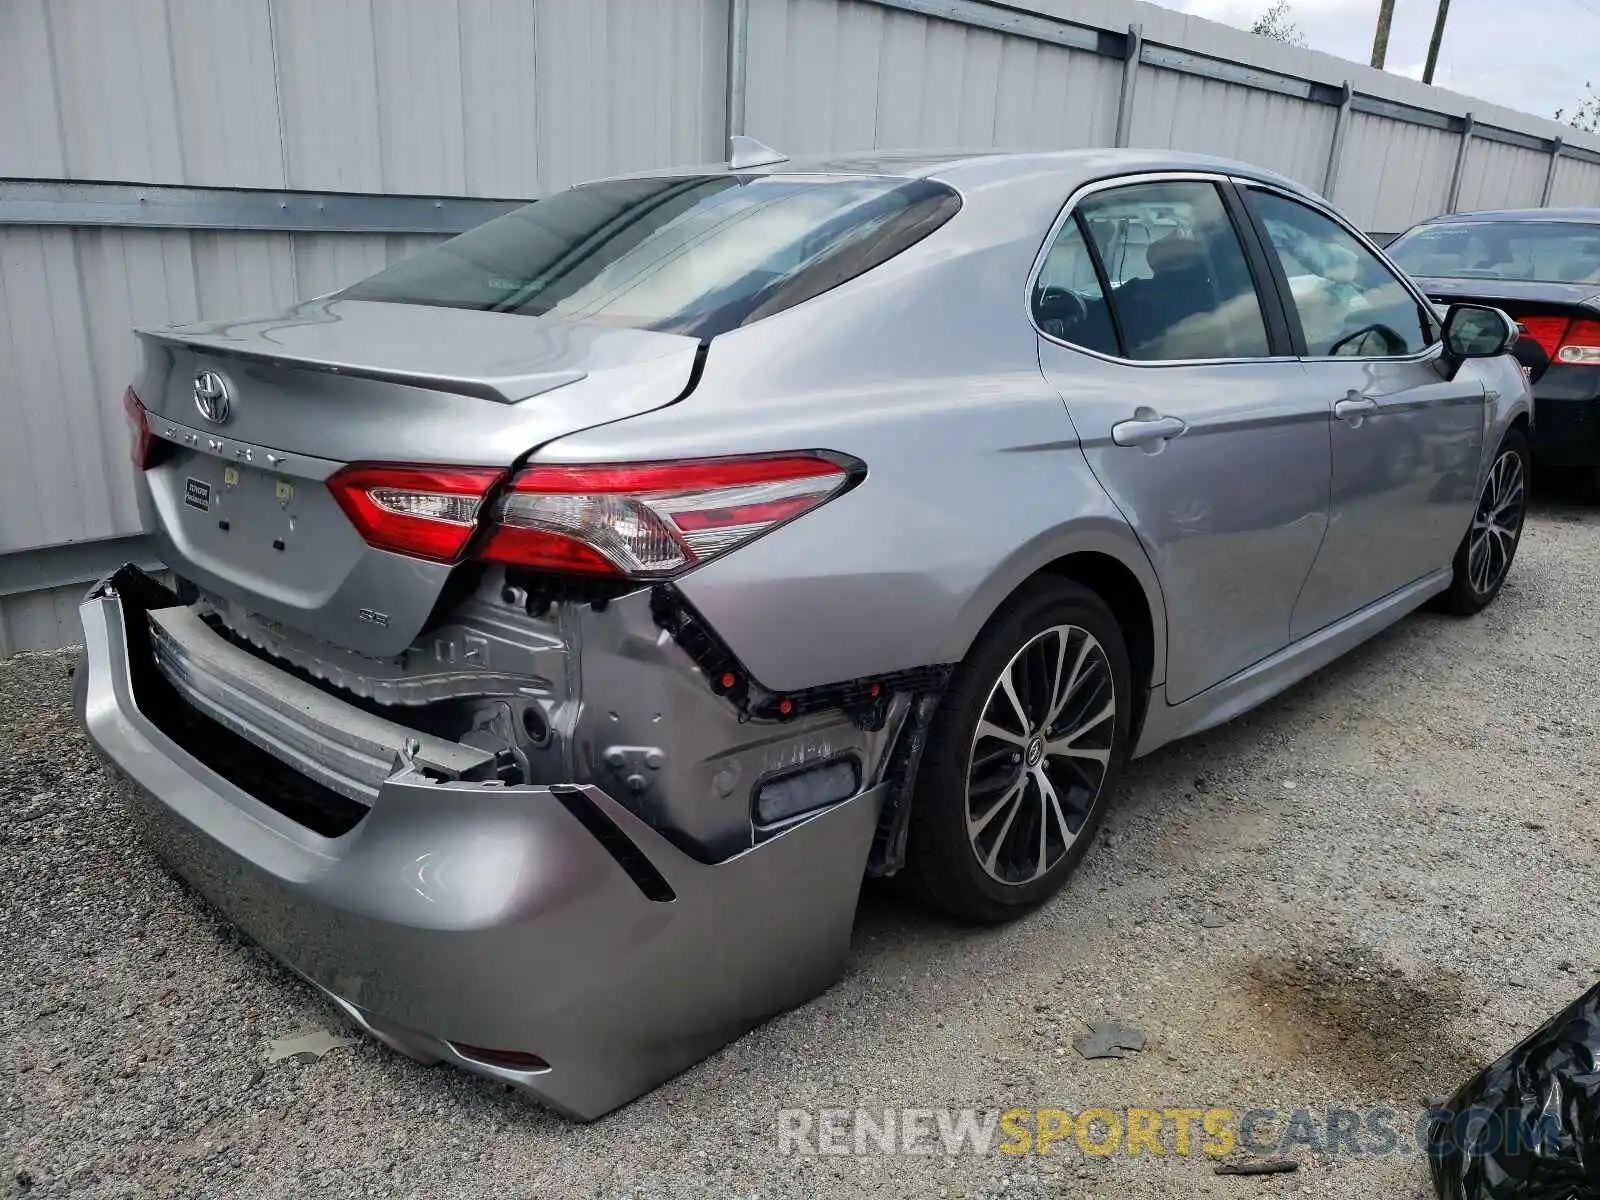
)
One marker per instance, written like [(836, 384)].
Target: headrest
[(1175, 253)]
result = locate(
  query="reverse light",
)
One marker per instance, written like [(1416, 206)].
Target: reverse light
[(653, 520), (1581, 344), (426, 512), (146, 450)]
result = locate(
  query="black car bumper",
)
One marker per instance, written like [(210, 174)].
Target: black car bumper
[(1566, 417)]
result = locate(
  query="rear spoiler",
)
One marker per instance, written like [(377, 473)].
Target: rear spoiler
[(503, 389)]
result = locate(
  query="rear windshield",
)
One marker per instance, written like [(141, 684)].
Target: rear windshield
[(695, 255), (1545, 251)]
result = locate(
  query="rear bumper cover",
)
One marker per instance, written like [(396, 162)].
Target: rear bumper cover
[(483, 915), (1566, 427)]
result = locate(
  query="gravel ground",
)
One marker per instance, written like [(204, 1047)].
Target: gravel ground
[(1350, 897)]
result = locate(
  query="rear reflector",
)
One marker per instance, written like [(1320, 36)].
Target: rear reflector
[(653, 520), (805, 790), (426, 512)]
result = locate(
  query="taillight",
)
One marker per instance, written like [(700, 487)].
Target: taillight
[(426, 512), (639, 521), (652, 520), (1581, 343), (146, 450), (1546, 331), (1563, 339)]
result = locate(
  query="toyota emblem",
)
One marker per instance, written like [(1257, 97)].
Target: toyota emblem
[(211, 397)]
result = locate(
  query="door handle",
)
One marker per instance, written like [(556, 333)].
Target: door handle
[(1354, 407), (1147, 430)]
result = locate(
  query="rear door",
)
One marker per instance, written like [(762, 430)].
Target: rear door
[(1407, 438), (1190, 408)]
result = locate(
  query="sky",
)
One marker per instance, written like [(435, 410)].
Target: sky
[(1534, 56)]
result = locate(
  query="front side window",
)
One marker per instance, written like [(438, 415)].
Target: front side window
[(696, 255), (1541, 251), (1180, 284), (1348, 301)]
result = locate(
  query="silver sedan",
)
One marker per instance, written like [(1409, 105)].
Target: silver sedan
[(562, 621)]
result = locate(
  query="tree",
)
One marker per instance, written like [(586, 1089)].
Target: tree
[(1278, 24), (1586, 116)]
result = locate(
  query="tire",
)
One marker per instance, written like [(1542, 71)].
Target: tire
[(994, 875), (1488, 548)]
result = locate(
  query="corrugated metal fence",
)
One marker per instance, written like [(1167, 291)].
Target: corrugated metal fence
[(168, 160)]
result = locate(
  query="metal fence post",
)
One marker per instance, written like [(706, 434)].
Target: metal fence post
[(1130, 78), (738, 66), (1341, 118), (1461, 163), (1550, 172)]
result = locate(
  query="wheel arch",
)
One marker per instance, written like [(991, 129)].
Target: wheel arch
[(1110, 579), (1103, 555)]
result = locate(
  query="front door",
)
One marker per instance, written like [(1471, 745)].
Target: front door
[(1215, 450), (1407, 435)]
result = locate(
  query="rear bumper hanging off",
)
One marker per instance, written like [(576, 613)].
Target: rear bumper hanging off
[(542, 936)]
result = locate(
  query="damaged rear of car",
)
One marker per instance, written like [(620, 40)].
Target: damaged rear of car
[(429, 709), (564, 620)]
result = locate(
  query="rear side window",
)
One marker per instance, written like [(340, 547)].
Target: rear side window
[(1180, 285), (696, 255), (1068, 302)]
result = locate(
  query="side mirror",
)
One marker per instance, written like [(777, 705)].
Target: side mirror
[(1477, 331)]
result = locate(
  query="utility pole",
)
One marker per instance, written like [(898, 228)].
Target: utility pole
[(1438, 37), (1380, 39)]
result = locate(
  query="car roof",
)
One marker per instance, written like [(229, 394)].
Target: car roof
[(1576, 215), (957, 167)]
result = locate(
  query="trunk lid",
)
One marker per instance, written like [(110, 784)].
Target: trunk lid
[(1507, 293), (242, 507)]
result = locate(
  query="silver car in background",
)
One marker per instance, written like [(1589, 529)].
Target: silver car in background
[(564, 620)]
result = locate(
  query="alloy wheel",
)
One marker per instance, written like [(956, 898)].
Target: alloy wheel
[(1497, 524), (1040, 754)]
